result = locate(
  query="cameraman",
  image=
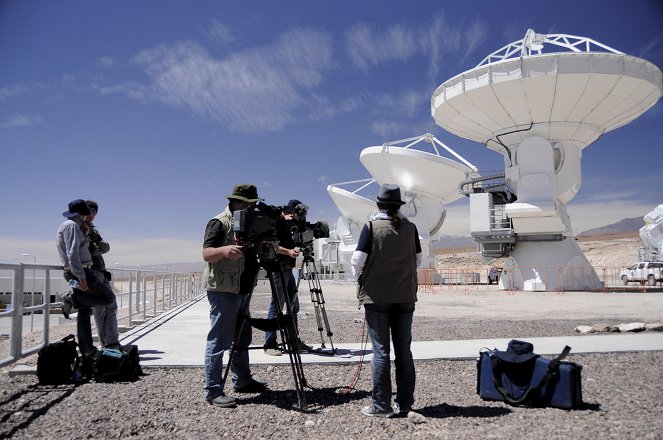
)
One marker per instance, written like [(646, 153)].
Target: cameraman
[(288, 253), (230, 276)]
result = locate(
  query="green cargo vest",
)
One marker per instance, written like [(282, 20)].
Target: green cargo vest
[(390, 273), (224, 276)]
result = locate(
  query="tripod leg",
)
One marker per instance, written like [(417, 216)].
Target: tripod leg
[(320, 301), (289, 330), (312, 279)]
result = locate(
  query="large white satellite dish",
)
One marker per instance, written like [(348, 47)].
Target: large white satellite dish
[(428, 181), (540, 110)]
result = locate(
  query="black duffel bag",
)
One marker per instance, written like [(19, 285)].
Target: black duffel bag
[(518, 376), (58, 362)]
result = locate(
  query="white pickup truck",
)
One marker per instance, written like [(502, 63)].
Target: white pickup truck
[(649, 272)]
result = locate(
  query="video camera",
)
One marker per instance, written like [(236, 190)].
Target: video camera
[(304, 232), (254, 228)]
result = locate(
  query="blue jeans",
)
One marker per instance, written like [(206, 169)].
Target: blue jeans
[(291, 288), (226, 311), (380, 319), (106, 319), (99, 294)]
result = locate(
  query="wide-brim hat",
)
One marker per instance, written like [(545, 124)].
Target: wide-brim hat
[(390, 194), (77, 207), (245, 192), (517, 352)]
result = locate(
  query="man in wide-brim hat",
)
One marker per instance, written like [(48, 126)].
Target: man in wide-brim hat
[(230, 276)]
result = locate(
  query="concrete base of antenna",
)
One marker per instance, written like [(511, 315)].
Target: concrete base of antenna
[(549, 266)]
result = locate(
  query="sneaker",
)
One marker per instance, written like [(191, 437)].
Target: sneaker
[(401, 410), (252, 387), (273, 352), (371, 411), (67, 304), (223, 402), (302, 347)]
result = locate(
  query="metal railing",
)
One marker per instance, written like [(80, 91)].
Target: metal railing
[(140, 294)]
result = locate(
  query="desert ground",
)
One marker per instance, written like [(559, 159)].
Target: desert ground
[(605, 251)]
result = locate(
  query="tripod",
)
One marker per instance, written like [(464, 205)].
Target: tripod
[(283, 322), (309, 271)]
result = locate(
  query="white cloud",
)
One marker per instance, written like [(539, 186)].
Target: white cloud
[(106, 61), (11, 92), (322, 178), (253, 91), (367, 47), (220, 33), (19, 121)]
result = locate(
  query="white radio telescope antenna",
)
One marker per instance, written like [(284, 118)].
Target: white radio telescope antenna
[(428, 182), (539, 101)]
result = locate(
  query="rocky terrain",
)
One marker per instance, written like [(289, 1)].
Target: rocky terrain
[(615, 251)]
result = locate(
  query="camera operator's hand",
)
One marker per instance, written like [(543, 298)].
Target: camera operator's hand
[(232, 252), (293, 253), (215, 254)]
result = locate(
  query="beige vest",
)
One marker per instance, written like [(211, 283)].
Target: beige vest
[(224, 276), (390, 273)]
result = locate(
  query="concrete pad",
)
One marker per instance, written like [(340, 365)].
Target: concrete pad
[(177, 338)]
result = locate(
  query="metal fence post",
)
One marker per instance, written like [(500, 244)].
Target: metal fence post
[(144, 296), (16, 341), (131, 291), (139, 276)]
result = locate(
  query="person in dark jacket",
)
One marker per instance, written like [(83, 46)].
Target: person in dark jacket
[(288, 254), (104, 316), (387, 255)]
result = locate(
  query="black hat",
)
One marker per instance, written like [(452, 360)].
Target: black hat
[(390, 194), (292, 204), (517, 351), (77, 207), (245, 192)]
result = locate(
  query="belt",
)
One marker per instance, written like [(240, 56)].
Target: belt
[(85, 266)]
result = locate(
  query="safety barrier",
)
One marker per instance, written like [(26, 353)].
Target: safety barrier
[(140, 294), (569, 278)]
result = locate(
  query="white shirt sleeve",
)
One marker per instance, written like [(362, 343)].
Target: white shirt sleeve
[(358, 260)]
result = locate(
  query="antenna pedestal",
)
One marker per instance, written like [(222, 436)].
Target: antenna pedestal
[(549, 266)]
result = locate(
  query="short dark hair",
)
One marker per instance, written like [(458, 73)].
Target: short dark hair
[(92, 205)]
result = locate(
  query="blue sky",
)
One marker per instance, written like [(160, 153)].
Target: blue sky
[(156, 108)]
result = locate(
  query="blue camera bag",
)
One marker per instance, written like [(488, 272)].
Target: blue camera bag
[(520, 377)]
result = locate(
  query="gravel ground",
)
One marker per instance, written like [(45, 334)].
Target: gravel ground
[(622, 393)]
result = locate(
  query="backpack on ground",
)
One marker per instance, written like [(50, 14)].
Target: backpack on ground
[(58, 362), (118, 365)]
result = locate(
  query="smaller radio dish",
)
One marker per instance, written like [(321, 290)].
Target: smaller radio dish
[(433, 176), (352, 205)]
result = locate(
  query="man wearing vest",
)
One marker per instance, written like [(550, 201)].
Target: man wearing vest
[(230, 275), (388, 253)]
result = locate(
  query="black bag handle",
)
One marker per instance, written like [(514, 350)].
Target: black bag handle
[(532, 392)]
